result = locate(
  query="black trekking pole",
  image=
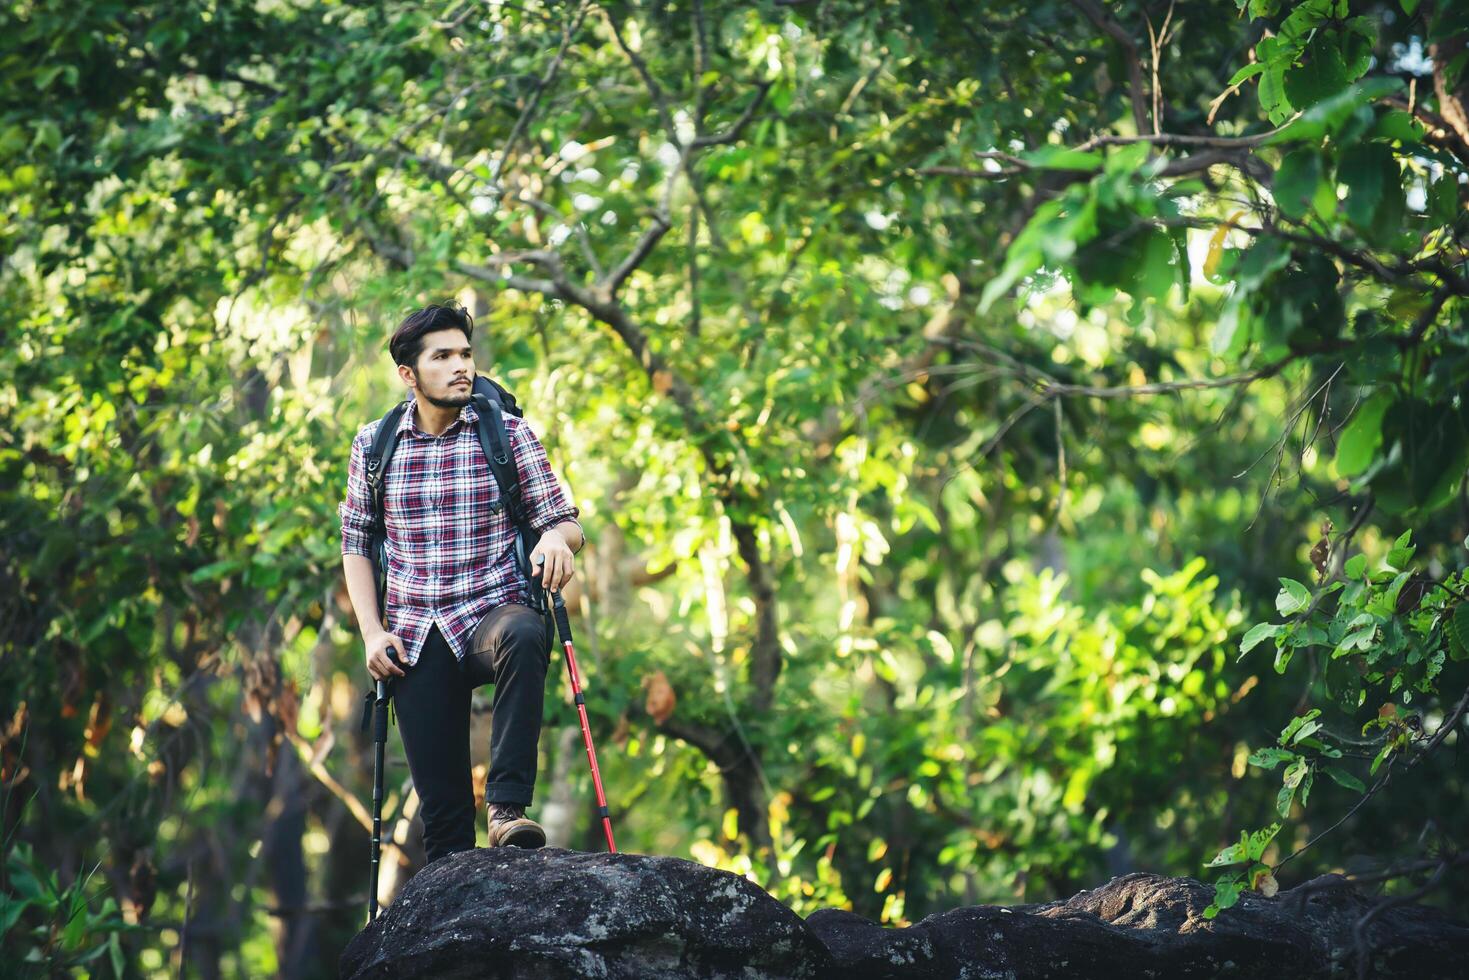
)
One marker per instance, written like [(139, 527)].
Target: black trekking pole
[(380, 741), (564, 626)]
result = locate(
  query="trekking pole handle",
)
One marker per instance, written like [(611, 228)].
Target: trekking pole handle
[(563, 624)]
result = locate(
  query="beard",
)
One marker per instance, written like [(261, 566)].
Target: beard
[(455, 398)]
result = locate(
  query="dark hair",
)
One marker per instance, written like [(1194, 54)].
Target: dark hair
[(407, 341)]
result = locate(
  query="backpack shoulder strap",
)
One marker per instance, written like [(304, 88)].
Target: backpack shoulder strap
[(383, 444), (378, 457), (490, 408), (492, 388), (495, 442)]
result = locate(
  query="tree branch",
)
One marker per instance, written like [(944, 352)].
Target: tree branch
[(1104, 22)]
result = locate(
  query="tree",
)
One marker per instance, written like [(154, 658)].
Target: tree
[(944, 392)]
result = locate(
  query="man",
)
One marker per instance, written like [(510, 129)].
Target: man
[(457, 602)]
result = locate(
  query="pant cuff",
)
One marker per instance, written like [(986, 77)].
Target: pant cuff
[(517, 793)]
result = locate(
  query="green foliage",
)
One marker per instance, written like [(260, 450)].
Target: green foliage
[(940, 377), (1285, 299), (55, 930), (51, 929), (1389, 632)]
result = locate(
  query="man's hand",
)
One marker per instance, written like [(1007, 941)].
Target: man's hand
[(378, 663), (551, 561)]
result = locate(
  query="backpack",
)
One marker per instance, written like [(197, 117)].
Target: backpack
[(491, 402)]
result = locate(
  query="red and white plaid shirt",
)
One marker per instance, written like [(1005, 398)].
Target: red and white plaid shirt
[(449, 542)]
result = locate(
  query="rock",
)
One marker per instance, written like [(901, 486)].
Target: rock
[(1143, 925), (551, 913), (507, 912)]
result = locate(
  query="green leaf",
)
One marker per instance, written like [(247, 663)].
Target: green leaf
[(76, 928), (1260, 840), (1323, 75), (1398, 125), (1375, 200), (1284, 798), (1355, 564), (1063, 158), (1383, 754), (1443, 200), (1271, 92), (1296, 723), (1326, 115), (1457, 629), (1155, 273), (1296, 182), (1269, 758), (1362, 436), (1293, 597), (1259, 634), (1283, 655), (1232, 330), (1344, 778), (1385, 603), (1247, 72), (1309, 728), (1233, 854), (1266, 257), (1398, 558), (216, 570), (1226, 894), (10, 909)]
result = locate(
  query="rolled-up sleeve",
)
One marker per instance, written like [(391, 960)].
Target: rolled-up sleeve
[(355, 510), (547, 503)]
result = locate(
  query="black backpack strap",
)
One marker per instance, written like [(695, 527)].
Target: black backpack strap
[(490, 387), (495, 442), (378, 457), (383, 443)]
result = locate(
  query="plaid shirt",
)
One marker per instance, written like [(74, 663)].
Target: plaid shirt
[(449, 542)]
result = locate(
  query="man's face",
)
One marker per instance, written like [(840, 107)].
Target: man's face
[(444, 375)]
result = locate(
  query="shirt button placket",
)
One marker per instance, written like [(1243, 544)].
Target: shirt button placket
[(437, 524)]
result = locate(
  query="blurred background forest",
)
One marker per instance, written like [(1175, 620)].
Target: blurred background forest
[(1019, 443)]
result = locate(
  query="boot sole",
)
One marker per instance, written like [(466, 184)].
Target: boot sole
[(525, 837), (521, 833)]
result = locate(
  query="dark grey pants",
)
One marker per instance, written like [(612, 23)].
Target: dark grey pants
[(509, 649)]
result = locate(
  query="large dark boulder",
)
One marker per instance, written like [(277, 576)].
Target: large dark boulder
[(551, 913), (505, 912)]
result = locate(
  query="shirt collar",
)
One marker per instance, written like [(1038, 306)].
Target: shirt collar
[(409, 423)]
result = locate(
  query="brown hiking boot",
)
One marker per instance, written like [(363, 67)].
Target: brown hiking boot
[(510, 827)]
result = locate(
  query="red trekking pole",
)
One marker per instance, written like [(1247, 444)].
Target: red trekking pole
[(564, 626)]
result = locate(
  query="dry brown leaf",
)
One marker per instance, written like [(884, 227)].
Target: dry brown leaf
[(288, 706), (661, 698), (1321, 552), (99, 722)]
